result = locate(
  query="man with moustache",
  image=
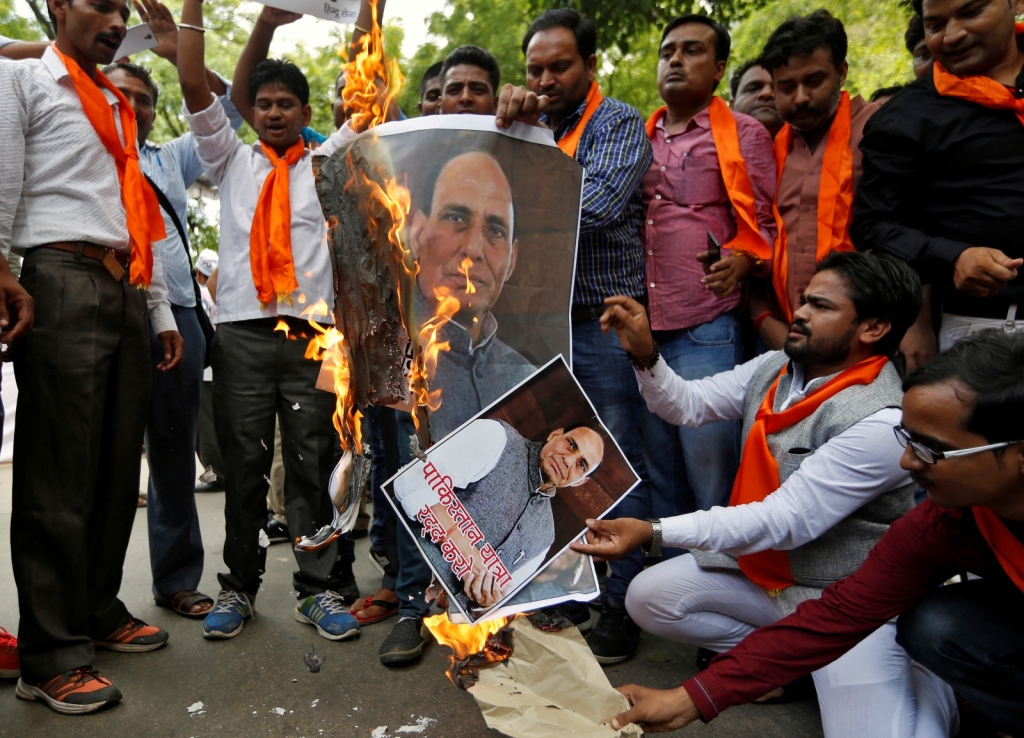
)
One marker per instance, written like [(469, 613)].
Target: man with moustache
[(469, 81), (73, 200), (818, 158), (818, 486), (943, 182), (753, 93)]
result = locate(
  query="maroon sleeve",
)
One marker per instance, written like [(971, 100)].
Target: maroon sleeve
[(917, 554)]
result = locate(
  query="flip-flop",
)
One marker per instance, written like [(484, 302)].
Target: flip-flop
[(182, 602), (390, 608)]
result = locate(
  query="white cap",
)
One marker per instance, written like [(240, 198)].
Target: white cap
[(206, 262)]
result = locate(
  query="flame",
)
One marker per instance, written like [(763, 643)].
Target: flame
[(283, 327), (464, 269), (371, 81), (462, 639), (431, 347), (328, 345)]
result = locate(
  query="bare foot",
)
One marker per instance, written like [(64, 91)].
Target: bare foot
[(382, 595)]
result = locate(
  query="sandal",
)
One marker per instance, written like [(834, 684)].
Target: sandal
[(389, 609), (183, 601)]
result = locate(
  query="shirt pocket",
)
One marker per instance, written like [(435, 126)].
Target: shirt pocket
[(697, 181)]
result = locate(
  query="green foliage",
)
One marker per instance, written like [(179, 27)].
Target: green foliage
[(875, 31), (13, 25), (202, 234)]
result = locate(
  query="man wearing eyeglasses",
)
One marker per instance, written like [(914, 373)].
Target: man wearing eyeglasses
[(963, 438), (819, 483)]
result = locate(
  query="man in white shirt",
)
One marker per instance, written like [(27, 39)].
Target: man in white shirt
[(274, 269), (70, 195), (818, 444)]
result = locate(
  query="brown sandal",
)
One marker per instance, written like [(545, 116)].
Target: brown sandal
[(182, 603)]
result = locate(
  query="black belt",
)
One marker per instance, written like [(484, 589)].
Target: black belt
[(583, 313)]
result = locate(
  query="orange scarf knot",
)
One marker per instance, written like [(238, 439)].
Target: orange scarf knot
[(758, 474), (144, 220), (748, 238), (1008, 550), (835, 199), (571, 140), (270, 240), (978, 89)]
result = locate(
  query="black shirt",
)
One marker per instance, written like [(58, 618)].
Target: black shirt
[(941, 175)]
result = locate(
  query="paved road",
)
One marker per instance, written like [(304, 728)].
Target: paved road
[(241, 682)]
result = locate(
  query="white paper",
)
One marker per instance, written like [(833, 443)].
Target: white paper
[(339, 11), (137, 39)]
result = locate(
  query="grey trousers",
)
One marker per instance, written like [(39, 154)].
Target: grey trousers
[(84, 380)]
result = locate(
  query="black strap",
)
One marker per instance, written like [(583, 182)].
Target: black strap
[(169, 209)]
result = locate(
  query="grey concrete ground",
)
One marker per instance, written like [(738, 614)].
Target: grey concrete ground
[(240, 682)]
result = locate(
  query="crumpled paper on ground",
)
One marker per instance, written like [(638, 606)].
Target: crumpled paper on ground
[(551, 687)]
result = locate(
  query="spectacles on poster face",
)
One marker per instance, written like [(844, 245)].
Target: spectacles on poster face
[(930, 456)]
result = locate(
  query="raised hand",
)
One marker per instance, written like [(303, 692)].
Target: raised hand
[(161, 22), (275, 17), (519, 104), (629, 320)]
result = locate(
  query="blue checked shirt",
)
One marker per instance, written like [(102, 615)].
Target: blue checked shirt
[(616, 154)]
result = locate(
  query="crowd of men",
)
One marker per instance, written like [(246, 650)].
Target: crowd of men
[(763, 289)]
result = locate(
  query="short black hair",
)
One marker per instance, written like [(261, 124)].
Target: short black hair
[(914, 33), (918, 6), (723, 41), (991, 364), (477, 57), (880, 286), (582, 28), (433, 71), (136, 71), (734, 81), (803, 35), (279, 72), (886, 92)]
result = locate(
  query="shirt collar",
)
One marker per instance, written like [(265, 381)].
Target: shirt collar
[(56, 67), (259, 150), (536, 478), (457, 334), (700, 120), (569, 122)]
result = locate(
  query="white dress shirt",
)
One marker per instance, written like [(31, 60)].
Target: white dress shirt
[(58, 182), (239, 170), (840, 477)]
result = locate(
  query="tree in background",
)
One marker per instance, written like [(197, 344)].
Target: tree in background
[(13, 25)]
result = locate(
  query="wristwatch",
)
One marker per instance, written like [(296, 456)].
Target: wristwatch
[(654, 550)]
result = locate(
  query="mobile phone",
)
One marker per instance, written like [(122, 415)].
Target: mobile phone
[(714, 252)]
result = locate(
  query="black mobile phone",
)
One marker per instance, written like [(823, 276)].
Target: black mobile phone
[(714, 252)]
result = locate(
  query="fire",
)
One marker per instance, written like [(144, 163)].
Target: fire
[(464, 269), (463, 640), (371, 81), (430, 350), (283, 327), (328, 346)]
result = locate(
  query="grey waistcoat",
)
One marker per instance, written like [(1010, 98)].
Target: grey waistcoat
[(843, 548)]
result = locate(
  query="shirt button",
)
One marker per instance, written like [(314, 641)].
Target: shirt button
[(657, 197), (663, 169), (652, 285), (650, 253), (667, 139), (650, 222), (806, 209)]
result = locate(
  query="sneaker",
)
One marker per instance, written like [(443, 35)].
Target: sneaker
[(74, 692), (133, 637), (579, 613), (10, 663), (614, 637), (379, 560), (276, 531), (329, 613), (704, 656), (214, 486), (227, 618), (404, 643)]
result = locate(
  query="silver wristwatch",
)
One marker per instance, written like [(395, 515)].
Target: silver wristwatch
[(654, 550)]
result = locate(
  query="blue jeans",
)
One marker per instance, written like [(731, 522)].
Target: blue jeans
[(694, 468), (606, 375), (378, 475), (175, 541)]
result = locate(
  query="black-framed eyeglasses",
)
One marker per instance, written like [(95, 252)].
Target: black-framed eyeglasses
[(930, 456)]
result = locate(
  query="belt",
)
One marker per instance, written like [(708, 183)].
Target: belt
[(583, 313), (89, 251)]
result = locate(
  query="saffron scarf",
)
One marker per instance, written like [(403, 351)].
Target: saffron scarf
[(758, 475), (571, 140), (144, 221), (748, 238), (1004, 545), (270, 240), (835, 199), (978, 89)]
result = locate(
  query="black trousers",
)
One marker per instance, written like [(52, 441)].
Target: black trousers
[(84, 380), (971, 635), (207, 447), (261, 373)]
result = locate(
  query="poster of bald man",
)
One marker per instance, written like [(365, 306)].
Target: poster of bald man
[(493, 505)]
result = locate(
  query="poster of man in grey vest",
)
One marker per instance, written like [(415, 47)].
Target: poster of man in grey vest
[(496, 501)]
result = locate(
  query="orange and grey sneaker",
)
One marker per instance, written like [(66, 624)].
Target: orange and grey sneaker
[(134, 636), (10, 664), (74, 692)]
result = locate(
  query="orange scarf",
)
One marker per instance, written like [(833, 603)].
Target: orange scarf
[(144, 221), (758, 474), (270, 240), (748, 238), (1006, 547), (977, 89), (835, 199), (571, 140)]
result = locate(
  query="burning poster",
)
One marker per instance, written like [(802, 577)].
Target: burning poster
[(497, 500)]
